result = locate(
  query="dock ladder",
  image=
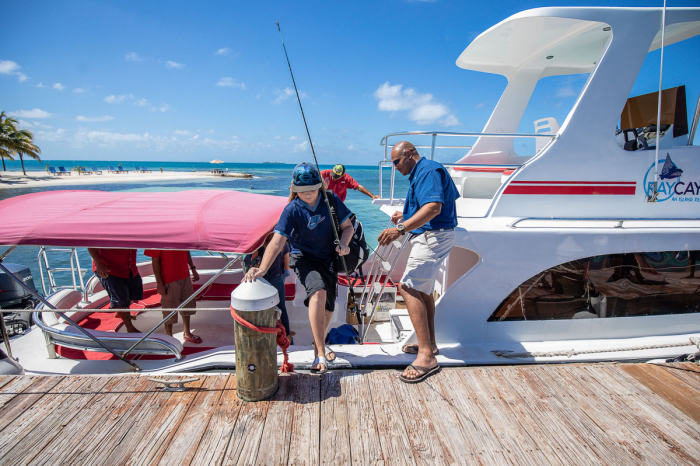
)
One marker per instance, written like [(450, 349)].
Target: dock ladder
[(382, 265), (76, 271)]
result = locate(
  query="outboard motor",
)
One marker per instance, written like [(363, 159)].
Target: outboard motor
[(13, 296)]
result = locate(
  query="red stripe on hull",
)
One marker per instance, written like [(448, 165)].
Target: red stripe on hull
[(572, 190), (576, 182), (483, 169)]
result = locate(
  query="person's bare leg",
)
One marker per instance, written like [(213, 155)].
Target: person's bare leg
[(418, 313), (330, 355), (126, 319), (168, 329), (430, 308), (317, 318), (186, 327)]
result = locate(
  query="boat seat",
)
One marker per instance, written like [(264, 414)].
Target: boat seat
[(480, 187)]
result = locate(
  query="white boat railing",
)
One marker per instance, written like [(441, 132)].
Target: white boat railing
[(386, 162), (75, 269)]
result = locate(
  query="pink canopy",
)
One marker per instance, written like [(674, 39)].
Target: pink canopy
[(212, 220)]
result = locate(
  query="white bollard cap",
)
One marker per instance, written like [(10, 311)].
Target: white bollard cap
[(254, 296)]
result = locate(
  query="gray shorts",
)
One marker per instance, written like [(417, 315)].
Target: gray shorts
[(175, 294), (429, 251)]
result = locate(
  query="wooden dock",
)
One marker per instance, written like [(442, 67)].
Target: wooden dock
[(519, 415)]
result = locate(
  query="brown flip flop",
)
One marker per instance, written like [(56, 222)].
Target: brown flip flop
[(425, 372)]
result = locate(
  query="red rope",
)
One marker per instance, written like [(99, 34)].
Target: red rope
[(282, 340)]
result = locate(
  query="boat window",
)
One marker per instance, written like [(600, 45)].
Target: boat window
[(615, 285), (636, 129), (550, 104)]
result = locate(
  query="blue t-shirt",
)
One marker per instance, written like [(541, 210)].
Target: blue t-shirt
[(430, 182), (309, 229)]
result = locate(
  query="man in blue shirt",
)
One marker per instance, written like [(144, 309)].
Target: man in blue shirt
[(430, 214)]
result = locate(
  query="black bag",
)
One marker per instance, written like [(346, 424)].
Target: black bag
[(359, 251)]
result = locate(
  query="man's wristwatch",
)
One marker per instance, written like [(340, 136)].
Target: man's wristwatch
[(401, 228), (193, 267)]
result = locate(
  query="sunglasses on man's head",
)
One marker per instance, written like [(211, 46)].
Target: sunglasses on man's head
[(396, 161)]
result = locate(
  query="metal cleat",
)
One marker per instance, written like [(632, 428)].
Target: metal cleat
[(174, 385)]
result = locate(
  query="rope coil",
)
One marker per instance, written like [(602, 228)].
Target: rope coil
[(282, 340)]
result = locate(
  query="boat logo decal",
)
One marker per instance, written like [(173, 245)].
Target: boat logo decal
[(315, 220), (670, 186)]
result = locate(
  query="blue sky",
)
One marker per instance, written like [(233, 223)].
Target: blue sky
[(193, 81)]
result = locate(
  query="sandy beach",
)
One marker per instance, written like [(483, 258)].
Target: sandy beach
[(14, 179)]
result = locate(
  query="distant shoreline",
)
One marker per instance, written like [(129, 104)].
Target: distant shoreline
[(14, 179)]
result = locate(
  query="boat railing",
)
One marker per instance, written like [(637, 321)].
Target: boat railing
[(386, 162), (49, 284)]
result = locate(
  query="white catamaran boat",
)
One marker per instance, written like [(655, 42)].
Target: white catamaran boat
[(586, 251)]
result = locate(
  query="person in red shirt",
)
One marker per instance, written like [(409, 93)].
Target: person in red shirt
[(338, 181), (172, 274), (119, 276)]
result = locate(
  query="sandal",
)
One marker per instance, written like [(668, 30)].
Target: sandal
[(424, 373), (329, 352), (413, 349), (193, 339), (317, 361)]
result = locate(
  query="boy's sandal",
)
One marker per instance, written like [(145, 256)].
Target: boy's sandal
[(330, 354), (196, 339), (424, 373), (320, 360), (413, 349)]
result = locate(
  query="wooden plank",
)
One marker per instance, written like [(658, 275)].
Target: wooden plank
[(567, 407), (573, 443), (44, 421), (151, 422), (427, 447), (335, 436), (274, 444), (520, 446), (690, 377), (630, 428), (183, 445), (162, 428), (304, 440), (247, 433), (679, 393), (640, 398), (89, 420), (553, 437), (7, 379), (21, 394), (393, 436), (365, 448), (214, 443)]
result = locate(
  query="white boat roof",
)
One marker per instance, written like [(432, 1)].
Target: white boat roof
[(573, 38)]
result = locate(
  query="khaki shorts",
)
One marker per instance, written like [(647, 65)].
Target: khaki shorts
[(175, 294), (429, 251)]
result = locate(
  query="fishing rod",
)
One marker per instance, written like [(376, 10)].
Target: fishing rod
[(352, 306)]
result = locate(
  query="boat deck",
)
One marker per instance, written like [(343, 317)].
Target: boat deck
[(554, 414)]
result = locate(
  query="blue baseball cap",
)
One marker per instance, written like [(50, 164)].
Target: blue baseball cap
[(305, 177)]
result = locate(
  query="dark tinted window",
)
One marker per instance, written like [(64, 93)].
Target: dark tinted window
[(616, 285)]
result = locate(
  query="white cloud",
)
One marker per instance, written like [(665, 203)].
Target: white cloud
[(141, 103), (422, 108), (58, 86), (230, 82), (301, 147), (182, 132), (111, 99), (32, 124), (12, 68), (194, 138), (40, 85), (210, 131), (33, 113), (479, 105), (174, 65), (51, 136), (91, 119), (351, 147), (566, 91), (8, 67), (285, 94), (133, 56), (223, 51), (293, 138), (79, 90), (164, 108)]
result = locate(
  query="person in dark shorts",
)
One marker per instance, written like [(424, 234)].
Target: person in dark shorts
[(307, 224), (119, 276), (278, 271)]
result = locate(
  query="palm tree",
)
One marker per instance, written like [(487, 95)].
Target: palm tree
[(8, 126), (15, 141)]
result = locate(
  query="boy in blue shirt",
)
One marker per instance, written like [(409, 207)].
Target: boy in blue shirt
[(430, 214), (307, 224)]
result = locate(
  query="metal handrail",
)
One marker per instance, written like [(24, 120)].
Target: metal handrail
[(602, 219), (694, 124)]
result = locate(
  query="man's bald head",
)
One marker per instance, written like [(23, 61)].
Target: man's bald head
[(404, 155)]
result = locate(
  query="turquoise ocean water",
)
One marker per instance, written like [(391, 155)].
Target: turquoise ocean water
[(271, 179)]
